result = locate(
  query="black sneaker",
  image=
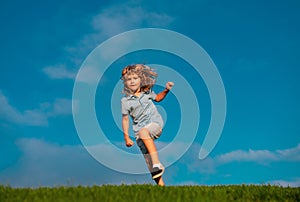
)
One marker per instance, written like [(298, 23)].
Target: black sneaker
[(157, 171)]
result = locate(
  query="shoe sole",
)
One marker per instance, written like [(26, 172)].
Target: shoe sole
[(158, 173)]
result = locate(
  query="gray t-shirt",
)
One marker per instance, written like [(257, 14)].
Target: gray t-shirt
[(142, 110)]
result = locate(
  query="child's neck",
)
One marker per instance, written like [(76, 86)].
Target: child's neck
[(137, 92)]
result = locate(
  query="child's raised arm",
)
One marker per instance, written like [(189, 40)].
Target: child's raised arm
[(160, 96)]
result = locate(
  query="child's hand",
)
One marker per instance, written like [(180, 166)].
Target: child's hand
[(128, 142), (169, 85)]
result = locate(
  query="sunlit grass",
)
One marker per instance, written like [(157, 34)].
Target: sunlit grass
[(144, 193)]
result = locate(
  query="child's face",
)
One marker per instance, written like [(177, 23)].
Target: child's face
[(133, 82)]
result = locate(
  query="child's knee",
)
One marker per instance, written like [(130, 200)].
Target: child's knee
[(144, 134)]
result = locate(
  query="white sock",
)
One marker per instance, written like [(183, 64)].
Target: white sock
[(157, 165)]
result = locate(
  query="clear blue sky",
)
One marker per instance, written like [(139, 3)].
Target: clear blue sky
[(254, 45)]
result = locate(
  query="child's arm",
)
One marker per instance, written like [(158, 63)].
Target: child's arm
[(125, 126), (160, 96)]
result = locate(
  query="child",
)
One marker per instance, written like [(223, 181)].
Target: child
[(146, 121)]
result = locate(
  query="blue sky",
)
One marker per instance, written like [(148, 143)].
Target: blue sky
[(254, 45)]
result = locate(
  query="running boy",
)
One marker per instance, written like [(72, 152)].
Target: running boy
[(146, 121)]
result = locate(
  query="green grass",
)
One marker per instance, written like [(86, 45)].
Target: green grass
[(144, 193)]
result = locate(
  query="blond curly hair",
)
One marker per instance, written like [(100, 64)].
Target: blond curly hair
[(146, 74)]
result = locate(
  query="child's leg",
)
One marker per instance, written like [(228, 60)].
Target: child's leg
[(159, 181), (156, 173), (145, 138), (149, 143)]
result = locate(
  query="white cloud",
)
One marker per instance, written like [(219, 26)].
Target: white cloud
[(120, 18), (292, 154), (107, 23), (61, 106), (285, 183), (28, 117), (34, 117), (260, 156), (59, 72), (123, 17), (264, 157)]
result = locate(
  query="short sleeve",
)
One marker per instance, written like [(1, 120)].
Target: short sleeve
[(124, 106), (152, 95)]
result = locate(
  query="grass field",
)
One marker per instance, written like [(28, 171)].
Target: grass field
[(144, 193)]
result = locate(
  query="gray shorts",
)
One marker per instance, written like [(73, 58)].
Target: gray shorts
[(155, 131)]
